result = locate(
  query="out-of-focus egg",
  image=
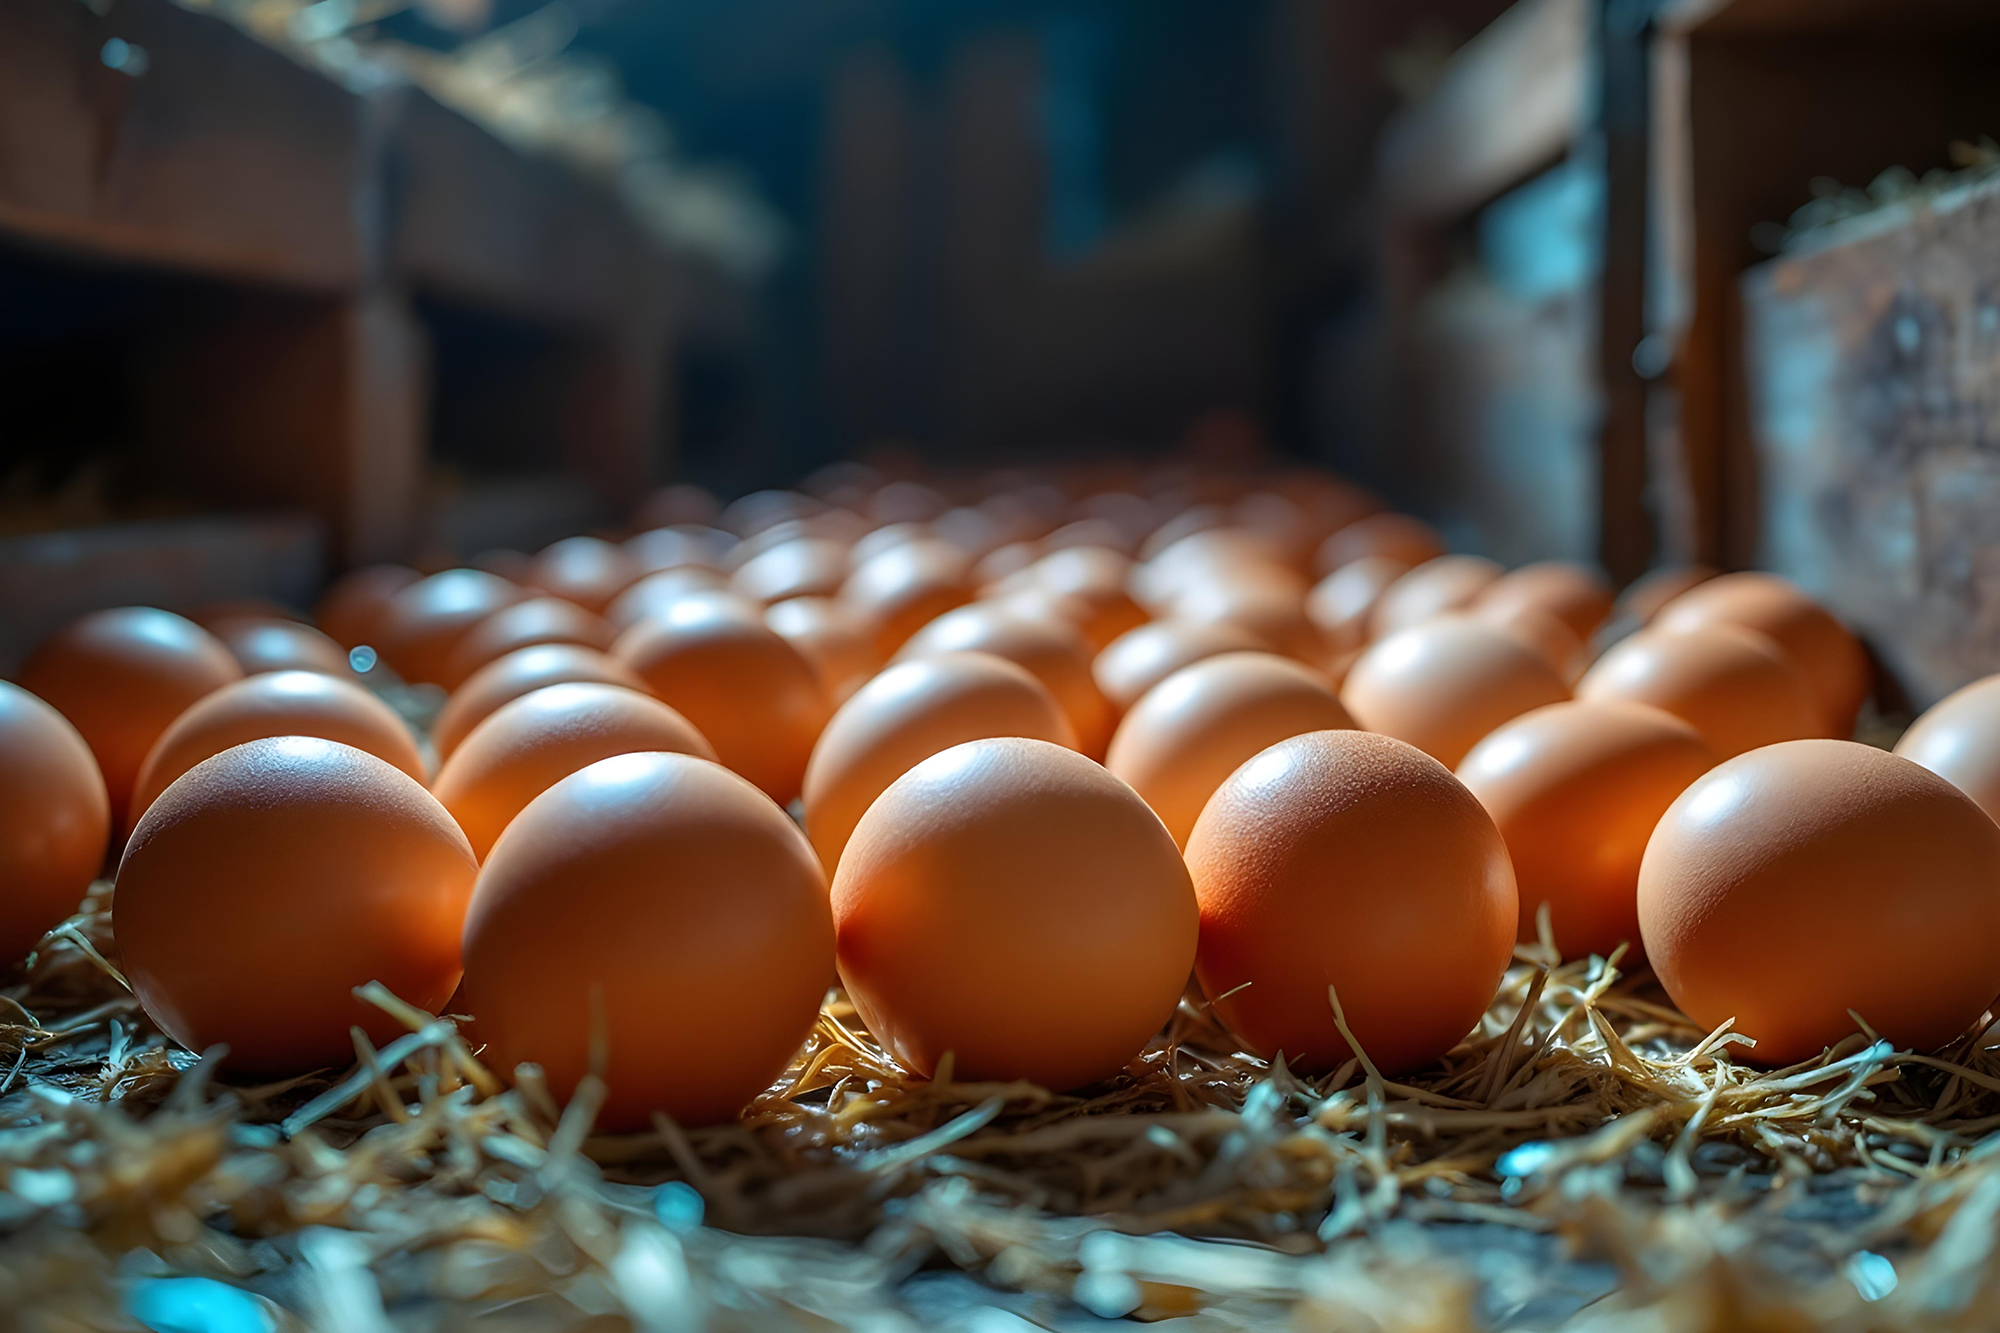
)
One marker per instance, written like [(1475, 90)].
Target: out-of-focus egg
[(969, 529), (1806, 879), (1183, 524), (1003, 562), (678, 548), (1090, 533), (830, 635), (425, 622), (351, 610), (1282, 522), (1640, 602), (756, 698), (586, 570), (906, 587), (887, 538), (523, 672), (523, 625), (1141, 658), (211, 614), (1192, 730), (121, 677), (1434, 588), (274, 878), (1397, 536), (1578, 596), (1344, 860), (908, 713), (261, 645), (906, 502), (805, 567), (529, 744), (1051, 651), (1538, 631), (748, 515), (1274, 612), (645, 886), (681, 504), (1444, 684), (1010, 902), (653, 594), (1730, 684), (282, 703), (1086, 586), (55, 820), (1342, 604), (1576, 789), (1831, 659), (1958, 738)]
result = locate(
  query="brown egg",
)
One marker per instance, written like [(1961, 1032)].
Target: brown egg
[(1342, 604), (529, 744), (281, 703), (970, 530), (1213, 555), (1538, 631), (653, 594), (1395, 535), (909, 712), (1640, 602), (756, 698), (1274, 612), (1831, 658), (267, 644), (523, 672), (1346, 861), (1958, 738), (1576, 789), (1011, 903), (887, 538), (586, 570), (211, 614), (1192, 730), (678, 548), (1803, 880), (1578, 596), (1051, 651), (1141, 658), (351, 611), (523, 625), (1434, 588), (1090, 533), (1086, 586), (804, 567), (644, 887), (1732, 685), (905, 588), (1446, 683), (121, 677), (272, 880), (748, 515), (680, 504), (55, 820), (425, 622), (1003, 562), (830, 635)]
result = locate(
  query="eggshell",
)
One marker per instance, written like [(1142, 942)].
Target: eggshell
[(121, 677), (886, 538), (1141, 658), (523, 672), (269, 644), (1434, 588), (425, 622), (280, 703), (1342, 604), (351, 610), (1805, 879), (970, 530), (1831, 658), (748, 515), (653, 594), (908, 713), (1344, 860), (1732, 685), (531, 743), (1275, 612), (523, 625), (272, 880), (1086, 586), (832, 636), (1575, 789), (1398, 536), (676, 548), (1003, 562), (1640, 602), (1578, 596), (805, 567), (55, 820), (756, 698), (1541, 633), (1193, 729), (1011, 903), (1958, 738), (231, 609), (1051, 651), (1444, 684), (1090, 532), (585, 570), (681, 504), (905, 588)]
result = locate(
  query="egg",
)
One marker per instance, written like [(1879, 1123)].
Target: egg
[(351, 610), (1958, 738), (1578, 596), (523, 625), (1193, 729), (748, 515), (1348, 861), (1575, 789), (55, 820), (1813, 877), (1002, 562), (1732, 685), (1342, 604), (1831, 658), (908, 713), (1087, 586), (676, 548), (829, 634), (121, 677), (269, 644), (1090, 532), (280, 703), (680, 504), (1051, 651), (1446, 683), (1011, 903), (1448, 583), (662, 903), (271, 880), (970, 530), (1540, 632), (425, 622), (523, 672), (756, 698), (1141, 658), (585, 570), (1640, 602), (905, 588), (806, 567), (529, 744), (886, 538), (1397, 536), (654, 593), (230, 609), (1274, 611)]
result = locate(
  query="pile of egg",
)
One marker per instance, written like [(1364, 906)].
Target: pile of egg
[(1010, 766)]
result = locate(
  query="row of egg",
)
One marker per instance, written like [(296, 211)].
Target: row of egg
[(995, 893)]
